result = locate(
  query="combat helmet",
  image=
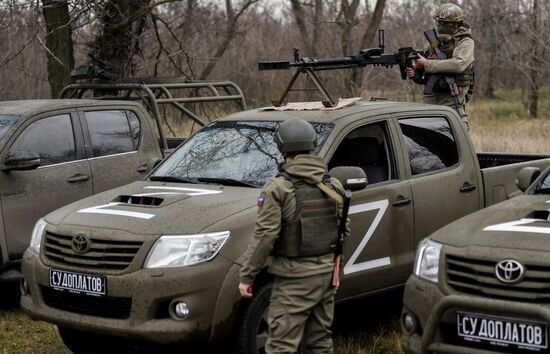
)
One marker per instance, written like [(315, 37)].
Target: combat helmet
[(295, 135), (449, 13)]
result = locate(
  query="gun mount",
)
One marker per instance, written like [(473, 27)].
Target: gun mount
[(369, 56)]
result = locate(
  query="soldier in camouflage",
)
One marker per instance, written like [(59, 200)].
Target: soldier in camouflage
[(295, 235), (455, 38)]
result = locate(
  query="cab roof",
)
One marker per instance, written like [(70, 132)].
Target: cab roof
[(30, 107), (331, 115)]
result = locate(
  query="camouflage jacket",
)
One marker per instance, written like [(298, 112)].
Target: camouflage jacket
[(463, 54), (277, 203)]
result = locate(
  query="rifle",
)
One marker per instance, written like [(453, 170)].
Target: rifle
[(340, 241), (370, 56), (431, 36)]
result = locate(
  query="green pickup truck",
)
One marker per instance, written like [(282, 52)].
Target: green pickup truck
[(158, 259), (482, 283), (54, 152)]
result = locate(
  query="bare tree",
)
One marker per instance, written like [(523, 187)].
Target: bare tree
[(59, 44), (230, 31)]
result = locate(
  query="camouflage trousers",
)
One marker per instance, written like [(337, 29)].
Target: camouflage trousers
[(301, 308), (445, 99)]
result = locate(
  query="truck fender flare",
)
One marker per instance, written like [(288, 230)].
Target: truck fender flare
[(229, 303)]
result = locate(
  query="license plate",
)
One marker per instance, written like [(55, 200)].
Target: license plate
[(78, 283), (503, 332)]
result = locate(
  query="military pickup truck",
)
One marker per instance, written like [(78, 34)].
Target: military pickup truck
[(482, 283), (158, 259), (54, 152)]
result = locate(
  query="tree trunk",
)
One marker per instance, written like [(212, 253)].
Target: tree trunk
[(122, 23), (533, 94), (59, 44)]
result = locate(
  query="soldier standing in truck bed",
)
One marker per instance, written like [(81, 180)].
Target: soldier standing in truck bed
[(455, 40), (297, 224)]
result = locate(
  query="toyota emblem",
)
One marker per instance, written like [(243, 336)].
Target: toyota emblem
[(80, 244), (509, 271)]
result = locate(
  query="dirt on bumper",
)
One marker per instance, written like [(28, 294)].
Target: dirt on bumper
[(436, 316), (148, 292)]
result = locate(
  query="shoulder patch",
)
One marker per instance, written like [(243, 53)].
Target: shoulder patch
[(260, 202)]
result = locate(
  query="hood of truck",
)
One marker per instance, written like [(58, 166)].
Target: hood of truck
[(518, 223), (157, 208)]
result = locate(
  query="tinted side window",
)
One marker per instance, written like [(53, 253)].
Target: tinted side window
[(367, 147), (430, 144), (109, 132), (50, 137)]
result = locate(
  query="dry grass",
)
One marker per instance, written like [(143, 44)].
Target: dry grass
[(512, 133)]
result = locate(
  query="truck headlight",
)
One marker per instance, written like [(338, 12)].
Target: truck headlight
[(183, 250), (426, 265), (37, 233)]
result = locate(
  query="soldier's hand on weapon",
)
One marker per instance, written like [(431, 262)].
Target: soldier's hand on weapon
[(245, 290), (410, 72), (419, 63)]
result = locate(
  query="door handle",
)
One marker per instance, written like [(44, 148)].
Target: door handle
[(78, 178), (467, 187), (142, 168), (401, 201)]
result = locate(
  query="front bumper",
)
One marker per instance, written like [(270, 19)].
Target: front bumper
[(150, 292), (435, 313)]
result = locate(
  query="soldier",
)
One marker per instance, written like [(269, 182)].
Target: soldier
[(297, 225), (455, 40)]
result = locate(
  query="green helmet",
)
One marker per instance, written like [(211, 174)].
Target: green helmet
[(449, 13), (295, 135)]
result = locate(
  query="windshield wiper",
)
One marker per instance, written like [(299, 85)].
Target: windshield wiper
[(227, 181), (542, 191), (174, 179)]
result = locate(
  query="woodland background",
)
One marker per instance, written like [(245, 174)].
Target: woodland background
[(42, 41)]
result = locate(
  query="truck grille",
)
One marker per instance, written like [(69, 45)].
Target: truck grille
[(477, 277), (108, 307), (102, 254)]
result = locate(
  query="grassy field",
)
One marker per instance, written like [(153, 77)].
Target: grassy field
[(361, 327)]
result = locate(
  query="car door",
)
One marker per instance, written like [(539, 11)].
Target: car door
[(443, 176), (63, 175), (118, 153), (379, 252)]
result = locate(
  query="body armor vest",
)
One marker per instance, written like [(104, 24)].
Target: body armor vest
[(465, 78), (313, 230)]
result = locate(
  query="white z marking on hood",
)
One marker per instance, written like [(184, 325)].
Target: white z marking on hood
[(516, 226), (190, 191), (101, 209)]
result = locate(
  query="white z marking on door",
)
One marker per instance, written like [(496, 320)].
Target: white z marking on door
[(101, 209), (517, 226), (351, 266)]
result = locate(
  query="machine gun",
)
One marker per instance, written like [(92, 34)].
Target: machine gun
[(369, 56)]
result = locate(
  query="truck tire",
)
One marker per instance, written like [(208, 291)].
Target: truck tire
[(85, 342), (251, 329)]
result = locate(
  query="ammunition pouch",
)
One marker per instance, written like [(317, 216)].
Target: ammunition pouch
[(313, 230)]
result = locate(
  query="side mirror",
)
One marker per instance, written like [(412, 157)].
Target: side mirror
[(21, 161), (526, 176), (352, 177)]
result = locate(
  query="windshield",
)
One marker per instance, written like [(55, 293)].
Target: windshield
[(543, 187), (6, 122), (239, 153)]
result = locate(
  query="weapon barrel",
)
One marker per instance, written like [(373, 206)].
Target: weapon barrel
[(274, 65)]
